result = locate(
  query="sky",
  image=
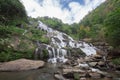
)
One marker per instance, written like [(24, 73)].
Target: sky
[(69, 11)]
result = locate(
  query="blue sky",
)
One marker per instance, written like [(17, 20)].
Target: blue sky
[(69, 11)]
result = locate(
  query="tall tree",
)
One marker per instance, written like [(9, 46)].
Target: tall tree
[(112, 24)]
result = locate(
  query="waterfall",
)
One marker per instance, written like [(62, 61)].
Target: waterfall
[(57, 48)]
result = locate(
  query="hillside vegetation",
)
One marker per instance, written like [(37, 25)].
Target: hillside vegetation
[(12, 12), (18, 33), (60, 26), (103, 23)]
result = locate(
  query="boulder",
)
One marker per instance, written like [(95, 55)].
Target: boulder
[(21, 64)]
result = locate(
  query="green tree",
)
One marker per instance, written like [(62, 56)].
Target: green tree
[(11, 11), (112, 24)]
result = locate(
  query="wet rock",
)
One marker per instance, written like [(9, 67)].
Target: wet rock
[(82, 74), (83, 79), (57, 39), (95, 75), (118, 68), (84, 66), (68, 62), (87, 75), (73, 70), (21, 64), (67, 67), (97, 56), (108, 76), (69, 75), (77, 53), (59, 77), (93, 64), (111, 65), (80, 60), (101, 63), (88, 59)]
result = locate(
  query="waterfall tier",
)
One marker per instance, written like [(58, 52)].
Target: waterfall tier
[(61, 42)]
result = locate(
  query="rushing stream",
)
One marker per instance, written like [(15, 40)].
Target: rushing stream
[(60, 42), (58, 49)]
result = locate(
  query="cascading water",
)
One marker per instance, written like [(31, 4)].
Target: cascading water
[(60, 41)]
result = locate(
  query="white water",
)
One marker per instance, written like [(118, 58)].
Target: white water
[(59, 41)]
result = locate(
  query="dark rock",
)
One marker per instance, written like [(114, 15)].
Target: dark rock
[(87, 75), (69, 75), (65, 37), (118, 68), (98, 56), (56, 39)]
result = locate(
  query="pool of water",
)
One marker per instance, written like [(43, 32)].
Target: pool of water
[(46, 73)]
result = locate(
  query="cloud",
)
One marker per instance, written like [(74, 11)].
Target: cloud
[(73, 12)]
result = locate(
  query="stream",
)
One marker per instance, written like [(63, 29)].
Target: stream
[(59, 51), (46, 73)]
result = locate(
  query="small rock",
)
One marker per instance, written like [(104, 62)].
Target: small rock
[(95, 75), (84, 66), (98, 56), (87, 75), (67, 67), (72, 70), (88, 58), (101, 63), (59, 77), (83, 79), (118, 68), (69, 75), (93, 64)]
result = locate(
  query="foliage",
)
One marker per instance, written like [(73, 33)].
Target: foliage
[(112, 24), (116, 61), (60, 26), (9, 55), (38, 35), (35, 34), (7, 31), (95, 19), (12, 12)]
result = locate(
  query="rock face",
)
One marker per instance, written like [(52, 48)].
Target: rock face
[(21, 64)]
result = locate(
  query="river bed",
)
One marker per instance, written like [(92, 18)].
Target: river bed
[(46, 73)]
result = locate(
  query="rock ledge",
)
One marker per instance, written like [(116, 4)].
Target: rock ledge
[(21, 65)]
